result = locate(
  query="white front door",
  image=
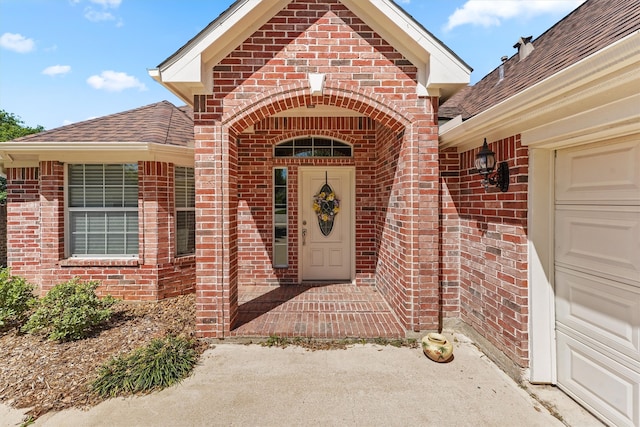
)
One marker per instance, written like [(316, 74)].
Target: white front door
[(326, 246)]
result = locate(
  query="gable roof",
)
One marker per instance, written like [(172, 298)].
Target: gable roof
[(159, 123), (591, 27), (186, 73), (159, 132)]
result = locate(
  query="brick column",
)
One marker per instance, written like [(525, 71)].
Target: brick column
[(426, 190), (51, 213), (156, 211), (23, 222), (449, 234), (216, 227)]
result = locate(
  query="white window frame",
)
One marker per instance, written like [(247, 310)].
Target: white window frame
[(274, 216), (68, 211), (310, 142), (183, 208)]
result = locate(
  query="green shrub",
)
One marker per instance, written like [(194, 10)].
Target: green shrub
[(70, 311), (161, 363), (16, 297)]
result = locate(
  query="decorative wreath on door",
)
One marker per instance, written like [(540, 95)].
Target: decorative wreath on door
[(326, 206)]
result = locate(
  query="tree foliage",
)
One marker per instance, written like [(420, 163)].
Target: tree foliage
[(12, 127)]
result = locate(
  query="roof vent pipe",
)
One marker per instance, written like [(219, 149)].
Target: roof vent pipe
[(501, 71), (524, 46)]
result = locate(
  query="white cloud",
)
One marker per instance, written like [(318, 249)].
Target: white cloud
[(108, 3), (113, 81), (98, 16), (102, 12), (56, 70), (17, 43), (489, 13)]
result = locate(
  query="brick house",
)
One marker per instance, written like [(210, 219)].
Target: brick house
[(294, 104)]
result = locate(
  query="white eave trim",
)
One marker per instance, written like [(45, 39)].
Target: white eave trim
[(566, 103), (29, 154), (440, 72)]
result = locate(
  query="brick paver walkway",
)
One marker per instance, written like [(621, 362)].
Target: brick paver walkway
[(328, 311)]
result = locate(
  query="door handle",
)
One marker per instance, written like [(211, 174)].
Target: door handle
[(304, 236)]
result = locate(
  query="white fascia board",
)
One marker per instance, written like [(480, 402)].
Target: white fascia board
[(21, 154), (604, 77), (615, 119), (187, 74)]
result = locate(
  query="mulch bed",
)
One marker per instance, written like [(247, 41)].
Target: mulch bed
[(48, 376)]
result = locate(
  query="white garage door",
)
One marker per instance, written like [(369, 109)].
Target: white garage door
[(597, 277)]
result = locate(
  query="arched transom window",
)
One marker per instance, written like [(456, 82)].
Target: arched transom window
[(313, 147)]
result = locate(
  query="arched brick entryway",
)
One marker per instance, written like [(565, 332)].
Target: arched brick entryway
[(406, 204)]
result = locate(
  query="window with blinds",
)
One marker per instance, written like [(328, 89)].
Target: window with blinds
[(185, 196), (103, 210)]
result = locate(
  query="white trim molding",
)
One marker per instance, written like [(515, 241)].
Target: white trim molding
[(30, 154), (187, 72)]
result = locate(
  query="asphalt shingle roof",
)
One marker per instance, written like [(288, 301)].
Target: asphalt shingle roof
[(591, 27), (160, 123)]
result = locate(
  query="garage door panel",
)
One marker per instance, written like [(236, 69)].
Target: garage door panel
[(604, 311), (584, 373), (601, 240), (602, 173), (597, 277)]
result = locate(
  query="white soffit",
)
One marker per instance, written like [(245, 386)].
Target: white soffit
[(440, 71)]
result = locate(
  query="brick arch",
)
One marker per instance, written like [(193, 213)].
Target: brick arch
[(335, 94)]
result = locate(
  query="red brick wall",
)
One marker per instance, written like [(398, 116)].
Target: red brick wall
[(36, 237), (268, 74), (493, 251), (23, 222), (255, 192), (449, 233), (3, 235)]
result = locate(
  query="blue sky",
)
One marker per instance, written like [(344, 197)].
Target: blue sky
[(64, 61)]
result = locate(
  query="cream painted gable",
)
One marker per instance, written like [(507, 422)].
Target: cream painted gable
[(187, 72)]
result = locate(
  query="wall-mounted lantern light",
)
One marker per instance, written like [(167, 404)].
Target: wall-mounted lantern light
[(486, 163)]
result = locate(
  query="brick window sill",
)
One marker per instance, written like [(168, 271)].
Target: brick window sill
[(100, 262), (184, 259)]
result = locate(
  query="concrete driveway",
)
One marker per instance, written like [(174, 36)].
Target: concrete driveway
[(250, 385)]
